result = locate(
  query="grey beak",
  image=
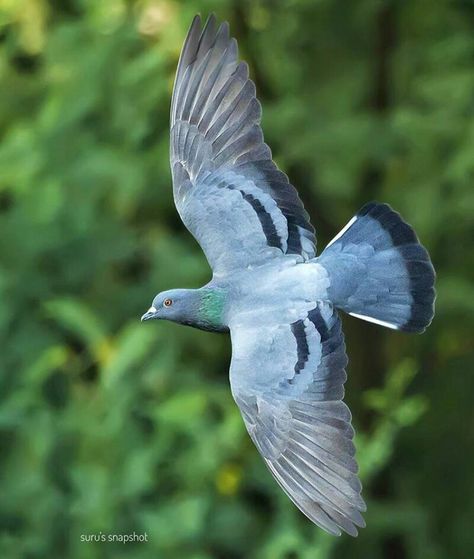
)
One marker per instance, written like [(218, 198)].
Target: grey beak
[(150, 313)]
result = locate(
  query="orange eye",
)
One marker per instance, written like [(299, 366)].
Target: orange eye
[(167, 302)]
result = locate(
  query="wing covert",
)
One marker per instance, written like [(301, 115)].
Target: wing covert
[(227, 189)]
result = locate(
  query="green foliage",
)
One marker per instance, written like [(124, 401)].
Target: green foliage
[(111, 426)]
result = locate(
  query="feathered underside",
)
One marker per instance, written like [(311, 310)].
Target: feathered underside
[(288, 380)]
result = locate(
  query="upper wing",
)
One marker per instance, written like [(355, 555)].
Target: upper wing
[(288, 382), (228, 192)]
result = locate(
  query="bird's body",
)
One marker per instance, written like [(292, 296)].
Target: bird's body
[(280, 289), (278, 300)]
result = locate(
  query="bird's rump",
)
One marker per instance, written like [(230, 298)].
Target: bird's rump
[(229, 193), (287, 380)]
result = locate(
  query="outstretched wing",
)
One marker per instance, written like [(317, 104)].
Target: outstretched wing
[(287, 380), (230, 195)]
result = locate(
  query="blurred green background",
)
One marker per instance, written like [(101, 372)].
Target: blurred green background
[(111, 426)]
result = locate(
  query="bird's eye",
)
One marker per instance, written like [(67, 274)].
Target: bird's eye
[(167, 302)]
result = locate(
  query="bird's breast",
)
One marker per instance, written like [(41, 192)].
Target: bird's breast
[(279, 291)]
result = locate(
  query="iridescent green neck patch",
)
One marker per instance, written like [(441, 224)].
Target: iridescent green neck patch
[(211, 307)]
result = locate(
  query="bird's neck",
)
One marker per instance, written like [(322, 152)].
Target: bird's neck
[(207, 309)]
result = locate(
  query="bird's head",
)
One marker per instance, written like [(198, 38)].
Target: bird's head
[(174, 304), (201, 308)]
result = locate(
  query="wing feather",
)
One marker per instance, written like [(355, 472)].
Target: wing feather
[(297, 419), (217, 147)]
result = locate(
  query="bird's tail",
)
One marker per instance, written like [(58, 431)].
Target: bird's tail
[(379, 271)]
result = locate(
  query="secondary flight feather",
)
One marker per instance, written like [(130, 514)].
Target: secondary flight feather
[(278, 300)]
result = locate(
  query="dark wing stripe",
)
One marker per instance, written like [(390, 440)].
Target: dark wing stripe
[(321, 326), (294, 241), (328, 383), (266, 221), (269, 178), (331, 336), (301, 344)]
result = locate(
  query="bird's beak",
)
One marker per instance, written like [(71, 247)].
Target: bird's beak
[(150, 313)]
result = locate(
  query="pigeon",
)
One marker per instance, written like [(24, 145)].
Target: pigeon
[(279, 301)]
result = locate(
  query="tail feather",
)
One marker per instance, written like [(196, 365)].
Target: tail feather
[(379, 271)]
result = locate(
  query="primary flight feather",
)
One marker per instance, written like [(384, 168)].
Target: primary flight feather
[(278, 300)]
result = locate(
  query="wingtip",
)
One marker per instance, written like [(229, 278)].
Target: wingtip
[(211, 19), (210, 22), (192, 36), (209, 27), (224, 29), (195, 26)]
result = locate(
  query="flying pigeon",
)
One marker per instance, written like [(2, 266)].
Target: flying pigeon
[(278, 300)]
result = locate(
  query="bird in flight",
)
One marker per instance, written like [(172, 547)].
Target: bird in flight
[(278, 300)]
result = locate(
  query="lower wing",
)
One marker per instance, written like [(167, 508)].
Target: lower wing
[(288, 381)]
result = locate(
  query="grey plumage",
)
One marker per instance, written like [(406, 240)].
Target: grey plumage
[(277, 299), (220, 163)]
